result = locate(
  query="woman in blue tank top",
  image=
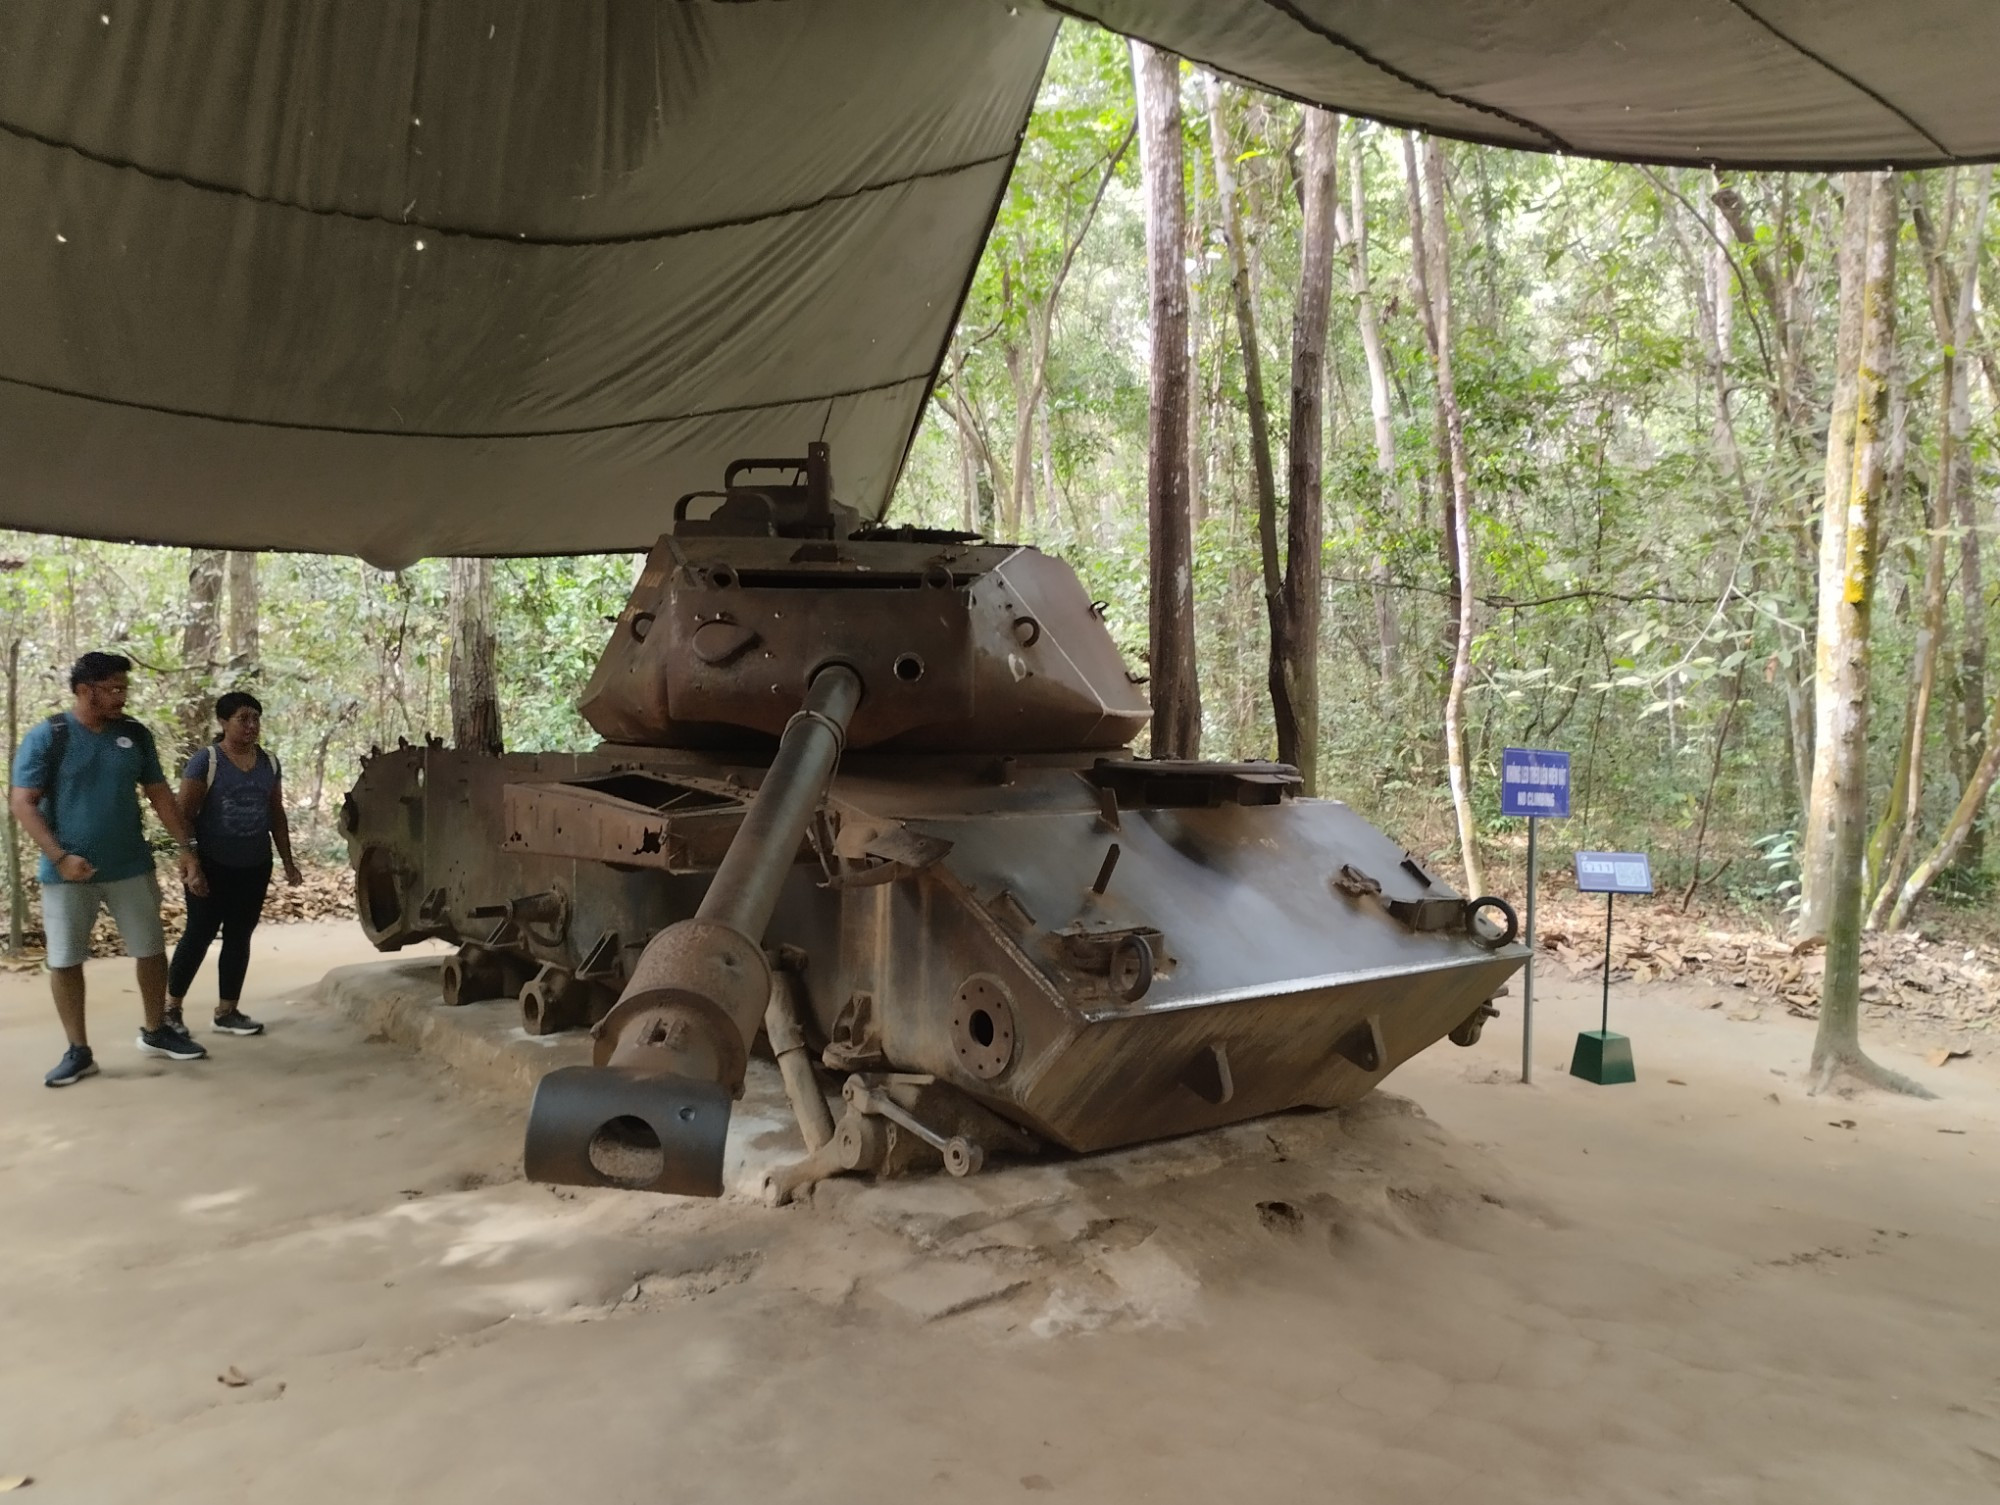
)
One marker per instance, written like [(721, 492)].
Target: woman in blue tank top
[(232, 794)]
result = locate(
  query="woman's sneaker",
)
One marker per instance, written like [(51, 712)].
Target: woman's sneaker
[(236, 1022), (177, 1024), (76, 1064), (164, 1042)]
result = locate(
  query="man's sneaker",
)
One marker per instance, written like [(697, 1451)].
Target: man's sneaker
[(177, 1024), (76, 1064), (236, 1022), (164, 1042)]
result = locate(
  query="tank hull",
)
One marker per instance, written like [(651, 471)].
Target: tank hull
[(1097, 950)]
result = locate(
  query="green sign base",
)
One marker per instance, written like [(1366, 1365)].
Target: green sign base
[(1602, 1057)]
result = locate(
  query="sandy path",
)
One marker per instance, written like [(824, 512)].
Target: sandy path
[(1562, 1292)]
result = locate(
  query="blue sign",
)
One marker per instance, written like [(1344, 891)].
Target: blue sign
[(1533, 782), (1613, 873)]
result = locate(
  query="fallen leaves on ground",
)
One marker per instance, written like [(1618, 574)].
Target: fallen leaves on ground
[(1951, 983)]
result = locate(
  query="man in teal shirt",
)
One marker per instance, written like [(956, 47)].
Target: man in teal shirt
[(76, 778)]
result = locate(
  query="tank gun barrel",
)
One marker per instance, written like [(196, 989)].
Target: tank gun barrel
[(745, 888), (653, 1112)]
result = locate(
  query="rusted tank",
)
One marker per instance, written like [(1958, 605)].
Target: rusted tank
[(865, 796)]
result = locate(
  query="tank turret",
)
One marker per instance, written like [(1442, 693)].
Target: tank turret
[(961, 646)]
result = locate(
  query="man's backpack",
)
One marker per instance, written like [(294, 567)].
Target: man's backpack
[(59, 744)]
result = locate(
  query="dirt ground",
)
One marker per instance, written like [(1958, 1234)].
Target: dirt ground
[(1703, 1287)]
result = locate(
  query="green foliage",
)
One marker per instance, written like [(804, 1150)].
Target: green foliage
[(352, 657), (1778, 856)]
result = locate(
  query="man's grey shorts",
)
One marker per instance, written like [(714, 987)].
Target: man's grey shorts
[(70, 909)]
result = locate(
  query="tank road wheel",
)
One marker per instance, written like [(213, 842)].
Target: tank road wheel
[(472, 975), (863, 1143), (1469, 1032), (553, 1001), (962, 1157)]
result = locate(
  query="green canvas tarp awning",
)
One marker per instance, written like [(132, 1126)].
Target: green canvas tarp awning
[(409, 277), (1743, 83)]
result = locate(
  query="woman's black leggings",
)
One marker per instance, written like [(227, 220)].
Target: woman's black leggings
[(232, 905)]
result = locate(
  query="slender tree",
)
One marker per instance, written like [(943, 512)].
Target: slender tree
[(1822, 805), (1843, 655), (1954, 321), (1777, 269), (1972, 591), (1025, 346), (1170, 613), (475, 691), (201, 643), (1295, 608), (1958, 841), (1244, 300), (245, 604), (1352, 230), (1958, 828), (1431, 251), (1875, 856), (984, 477)]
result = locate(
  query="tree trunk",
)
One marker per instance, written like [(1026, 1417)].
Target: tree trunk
[(1246, 332), (1954, 480), (1431, 243), (475, 690), (1956, 831), (1876, 860), (1420, 281), (1021, 463), (1193, 239), (1295, 615), (201, 643), (968, 472), (1354, 236), (244, 604), (1843, 646), (1045, 442), (1170, 610), (1785, 368), (1971, 644), (339, 717), (1822, 814), (1028, 367), (989, 480), (1695, 879)]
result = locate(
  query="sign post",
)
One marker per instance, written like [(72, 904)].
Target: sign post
[(1602, 1057), (1533, 783)]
